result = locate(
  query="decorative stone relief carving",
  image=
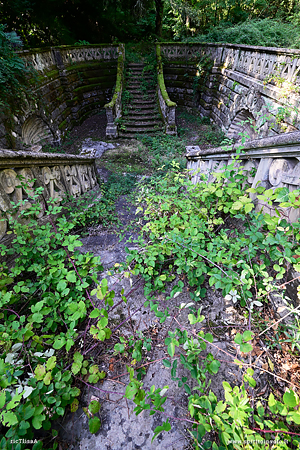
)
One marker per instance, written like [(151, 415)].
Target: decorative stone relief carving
[(58, 180), (72, 180), (83, 177), (52, 177)]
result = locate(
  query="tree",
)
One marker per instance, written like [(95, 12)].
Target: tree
[(159, 5)]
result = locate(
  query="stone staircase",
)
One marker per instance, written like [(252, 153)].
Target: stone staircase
[(140, 110)]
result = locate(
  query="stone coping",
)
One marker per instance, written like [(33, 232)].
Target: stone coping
[(64, 47), (9, 158), (287, 144), (277, 50)]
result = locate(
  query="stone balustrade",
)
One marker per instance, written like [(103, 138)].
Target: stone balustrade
[(245, 83), (271, 162), (73, 82), (59, 175)]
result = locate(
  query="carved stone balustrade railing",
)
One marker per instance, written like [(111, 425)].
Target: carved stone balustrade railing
[(72, 83), (245, 83), (254, 61), (59, 175), (271, 162)]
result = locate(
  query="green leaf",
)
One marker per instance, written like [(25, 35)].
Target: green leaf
[(245, 348), (237, 205), (59, 342), (94, 407), (166, 363), (238, 339), (51, 363), (60, 411), (47, 379), (171, 349), (94, 425), (95, 313), (2, 399), (214, 366), (40, 372), (37, 421), (290, 398), (74, 406), (164, 427), (131, 389), (71, 276), (248, 335), (248, 207), (9, 418)]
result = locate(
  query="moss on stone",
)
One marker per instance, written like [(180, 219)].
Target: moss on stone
[(90, 87), (160, 79), (119, 80), (90, 64)]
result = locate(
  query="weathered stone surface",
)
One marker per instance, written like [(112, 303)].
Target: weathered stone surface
[(275, 160), (238, 81), (58, 174), (95, 149), (69, 77)]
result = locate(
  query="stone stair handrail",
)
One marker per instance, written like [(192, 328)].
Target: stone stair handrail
[(167, 107), (114, 107)]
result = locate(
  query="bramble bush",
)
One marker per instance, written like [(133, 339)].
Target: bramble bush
[(190, 230), (187, 236)]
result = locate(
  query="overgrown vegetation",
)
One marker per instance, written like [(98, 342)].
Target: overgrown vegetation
[(15, 76), (58, 22), (263, 32), (186, 242), (55, 312)]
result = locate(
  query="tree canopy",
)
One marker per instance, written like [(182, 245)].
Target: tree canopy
[(54, 22)]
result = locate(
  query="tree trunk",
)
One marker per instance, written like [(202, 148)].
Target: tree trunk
[(159, 4)]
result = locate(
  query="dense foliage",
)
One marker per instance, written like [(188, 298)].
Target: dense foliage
[(265, 32), (14, 80), (68, 22), (55, 311)]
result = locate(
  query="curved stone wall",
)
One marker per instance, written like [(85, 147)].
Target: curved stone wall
[(262, 81), (73, 82)]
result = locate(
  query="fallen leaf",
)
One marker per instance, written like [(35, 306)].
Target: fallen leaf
[(271, 365)]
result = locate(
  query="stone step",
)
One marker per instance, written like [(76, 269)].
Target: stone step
[(143, 97), (142, 118), (143, 103), (142, 130), (138, 92), (135, 83), (125, 135), (136, 67), (142, 112), (138, 76), (132, 125), (134, 90)]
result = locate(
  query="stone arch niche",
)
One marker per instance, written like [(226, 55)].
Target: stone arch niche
[(36, 132), (243, 122)]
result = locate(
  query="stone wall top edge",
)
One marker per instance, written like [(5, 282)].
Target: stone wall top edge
[(283, 152), (281, 140), (277, 50), (21, 157), (63, 47)]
